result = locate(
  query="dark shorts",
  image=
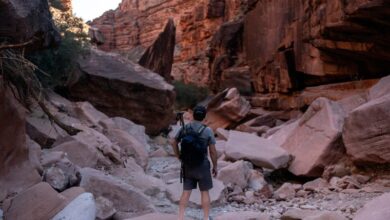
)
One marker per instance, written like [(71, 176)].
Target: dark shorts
[(198, 176)]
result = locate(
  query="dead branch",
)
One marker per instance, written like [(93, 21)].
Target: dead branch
[(12, 46)]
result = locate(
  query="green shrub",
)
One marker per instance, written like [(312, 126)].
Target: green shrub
[(59, 62), (188, 95)]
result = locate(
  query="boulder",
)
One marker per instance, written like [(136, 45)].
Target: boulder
[(281, 135), (220, 147), (56, 178), (216, 193), (17, 173), (222, 134), (243, 215), (104, 208), (73, 193), (261, 152), (124, 196), (159, 56), (236, 173), (285, 192), (382, 88), (42, 130), (118, 87), (316, 142), (36, 203), (316, 185), (256, 180), (137, 131), (28, 21), (129, 145), (226, 108), (83, 207), (375, 209), (85, 112), (366, 132)]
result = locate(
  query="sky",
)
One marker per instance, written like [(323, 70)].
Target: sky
[(90, 9)]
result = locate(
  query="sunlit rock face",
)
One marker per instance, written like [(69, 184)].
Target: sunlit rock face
[(293, 44), (138, 23)]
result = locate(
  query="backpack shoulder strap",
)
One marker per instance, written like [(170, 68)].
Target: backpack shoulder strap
[(201, 129)]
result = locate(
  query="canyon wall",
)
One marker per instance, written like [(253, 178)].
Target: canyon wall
[(137, 24)]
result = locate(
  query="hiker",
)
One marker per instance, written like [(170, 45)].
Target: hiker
[(195, 138)]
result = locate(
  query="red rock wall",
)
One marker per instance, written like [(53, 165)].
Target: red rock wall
[(291, 44), (138, 22)]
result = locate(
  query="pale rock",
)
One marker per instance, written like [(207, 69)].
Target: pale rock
[(222, 164), (222, 134), (83, 207), (315, 185), (129, 145), (125, 197), (256, 180), (40, 197), (326, 216), (377, 209), (104, 208), (220, 147), (307, 214), (285, 192), (88, 114), (316, 141), (236, 173), (243, 215), (226, 108), (261, 152), (382, 88), (281, 135), (216, 193), (56, 178), (160, 152), (366, 132), (352, 102)]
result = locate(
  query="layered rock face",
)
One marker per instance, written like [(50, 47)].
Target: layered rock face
[(138, 23), (25, 21), (120, 87), (293, 44)]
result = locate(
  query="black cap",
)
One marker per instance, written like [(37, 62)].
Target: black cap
[(199, 112)]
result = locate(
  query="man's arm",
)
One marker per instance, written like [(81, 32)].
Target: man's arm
[(214, 158), (175, 146)]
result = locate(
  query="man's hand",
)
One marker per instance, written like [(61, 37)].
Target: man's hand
[(214, 172)]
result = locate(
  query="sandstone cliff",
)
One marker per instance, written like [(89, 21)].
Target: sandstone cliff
[(138, 23)]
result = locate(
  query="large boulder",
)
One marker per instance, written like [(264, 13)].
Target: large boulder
[(119, 87), (125, 197), (226, 108), (159, 56), (382, 88), (17, 173), (261, 152), (27, 20), (83, 207), (236, 173), (366, 132), (316, 141), (36, 203), (375, 209)]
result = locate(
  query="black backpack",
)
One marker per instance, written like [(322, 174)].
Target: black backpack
[(193, 149)]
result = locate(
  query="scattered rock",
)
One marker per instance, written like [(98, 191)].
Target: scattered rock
[(81, 208), (256, 180), (85, 112), (236, 173), (157, 216), (316, 185), (285, 192), (104, 208), (247, 215), (261, 152)]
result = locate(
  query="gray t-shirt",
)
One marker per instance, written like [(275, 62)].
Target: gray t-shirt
[(207, 135)]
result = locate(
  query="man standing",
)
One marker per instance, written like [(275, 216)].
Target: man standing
[(199, 174)]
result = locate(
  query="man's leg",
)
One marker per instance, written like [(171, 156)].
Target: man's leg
[(205, 197), (185, 196)]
